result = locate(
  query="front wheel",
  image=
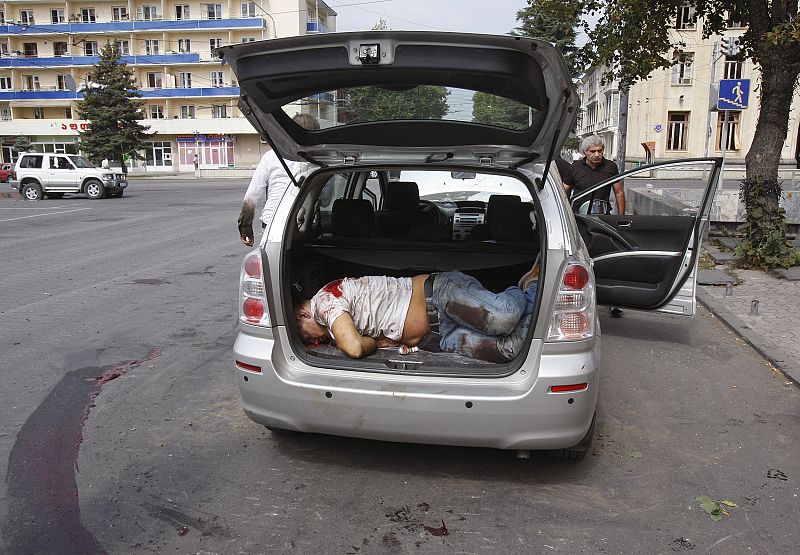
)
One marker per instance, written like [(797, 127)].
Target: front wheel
[(31, 191), (95, 190)]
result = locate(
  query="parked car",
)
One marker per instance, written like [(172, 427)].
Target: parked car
[(42, 173), (419, 193), (5, 172)]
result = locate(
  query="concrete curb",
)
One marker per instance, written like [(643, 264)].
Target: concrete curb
[(774, 354)]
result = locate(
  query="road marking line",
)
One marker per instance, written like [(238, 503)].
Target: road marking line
[(48, 214), (31, 207)]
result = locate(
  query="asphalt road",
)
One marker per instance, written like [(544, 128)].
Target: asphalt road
[(157, 456)]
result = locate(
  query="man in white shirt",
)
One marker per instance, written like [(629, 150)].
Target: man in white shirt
[(271, 180)]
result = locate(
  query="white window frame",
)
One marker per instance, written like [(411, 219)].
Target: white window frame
[(184, 45), (686, 18), (732, 69), (31, 83), (219, 111), (185, 80), (26, 17), (148, 13), (5, 114), (248, 9), (188, 112), (38, 112), (734, 127), (35, 50), (182, 12), (89, 50), (677, 131), (61, 82), (57, 15), (120, 13), (248, 39), (5, 83), (152, 47), (88, 15), (217, 79), (154, 79), (57, 54), (156, 111), (682, 66), (124, 46), (213, 10), (213, 43)]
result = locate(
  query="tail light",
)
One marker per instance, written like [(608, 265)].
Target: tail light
[(574, 311), (252, 296)]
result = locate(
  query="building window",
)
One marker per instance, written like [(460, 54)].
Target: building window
[(248, 9), (38, 113), (26, 17), (686, 19), (184, 45), (2, 16), (119, 13), (185, 80), (154, 80), (731, 138), (3, 49), (61, 82), (182, 12), (124, 47), (57, 15), (731, 23), (187, 112), (248, 39), (88, 15), (219, 111), (151, 47), (5, 83), (30, 83), (733, 68), (214, 11), (156, 111), (68, 112), (158, 154), (30, 50), (677, 130), (213, 44), (90, 48), (217, 79), (5, 114), (682, 68), (59, 49), (147, 13)]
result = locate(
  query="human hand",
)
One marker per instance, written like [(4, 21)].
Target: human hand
[(248, 241)]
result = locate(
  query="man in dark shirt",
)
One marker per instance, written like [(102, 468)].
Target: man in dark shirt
[(565, 170), (593, 169)]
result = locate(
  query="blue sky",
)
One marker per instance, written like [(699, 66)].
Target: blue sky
[(466, 16)]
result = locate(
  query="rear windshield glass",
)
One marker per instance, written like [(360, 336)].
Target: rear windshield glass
[(422, 102), (31, 161)]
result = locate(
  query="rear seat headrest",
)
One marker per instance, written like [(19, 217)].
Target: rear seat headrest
[(401, 195), (352, 218)]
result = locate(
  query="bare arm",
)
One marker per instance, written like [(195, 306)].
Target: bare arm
[(349, 340), (256, 190), (619, 193)]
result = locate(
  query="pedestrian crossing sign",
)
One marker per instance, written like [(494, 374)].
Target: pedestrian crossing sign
[(733, 94)]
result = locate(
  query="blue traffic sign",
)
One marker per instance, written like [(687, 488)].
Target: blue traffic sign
[(733, 94)]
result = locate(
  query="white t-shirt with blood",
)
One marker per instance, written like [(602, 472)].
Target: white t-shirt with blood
[(377, 304)]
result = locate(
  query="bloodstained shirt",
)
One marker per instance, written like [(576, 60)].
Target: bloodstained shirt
[(377, 304)]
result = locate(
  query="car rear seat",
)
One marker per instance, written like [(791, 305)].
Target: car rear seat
[(401, 210)]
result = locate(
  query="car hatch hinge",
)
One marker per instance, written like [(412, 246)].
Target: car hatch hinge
[(485, 159)]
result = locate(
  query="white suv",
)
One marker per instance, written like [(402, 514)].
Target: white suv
[(38, 174)]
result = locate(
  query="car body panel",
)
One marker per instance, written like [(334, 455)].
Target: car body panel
[(65, 180), (273, 73)]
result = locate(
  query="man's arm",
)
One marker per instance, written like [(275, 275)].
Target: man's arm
[(619, 193), (255, 191), (349, 340)]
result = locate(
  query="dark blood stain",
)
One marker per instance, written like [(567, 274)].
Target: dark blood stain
[(485, 349), (443, 531), (334, 288), (43, 513), (424, 507), (476, 318), (183, 530)]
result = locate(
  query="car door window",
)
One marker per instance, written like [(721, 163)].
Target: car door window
[(642, 258), (62, 163)]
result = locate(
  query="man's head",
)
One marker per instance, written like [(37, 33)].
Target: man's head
[(311, 333), (306, 121), (592, 148)]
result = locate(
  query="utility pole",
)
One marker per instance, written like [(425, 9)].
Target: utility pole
[(622, 128)]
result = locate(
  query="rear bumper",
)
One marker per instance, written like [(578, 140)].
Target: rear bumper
[(516, 412)]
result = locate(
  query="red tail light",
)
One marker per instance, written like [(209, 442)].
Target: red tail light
[(566, 388), (253, 310), (576, 277), (252, 265)]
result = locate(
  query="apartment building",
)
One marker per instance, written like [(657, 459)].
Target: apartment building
[(669, 114), (190, 96)]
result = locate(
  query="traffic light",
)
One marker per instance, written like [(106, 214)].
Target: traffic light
[(730, 46)]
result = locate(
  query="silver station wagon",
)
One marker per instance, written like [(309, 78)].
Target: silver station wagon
[(396, 189)]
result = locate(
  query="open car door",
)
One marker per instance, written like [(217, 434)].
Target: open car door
[(647, 259)]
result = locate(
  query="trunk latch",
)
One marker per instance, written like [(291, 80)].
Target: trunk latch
[(350, 159), (369, 54)]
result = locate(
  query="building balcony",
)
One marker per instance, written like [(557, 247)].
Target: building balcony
[(314, 26), (44, 95), (139, 59), (170, 126), (132, 26)]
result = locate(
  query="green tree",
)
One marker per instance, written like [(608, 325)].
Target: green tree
[(632, 38), (22, 144), (110, 105), (555, 22), (377, 103)]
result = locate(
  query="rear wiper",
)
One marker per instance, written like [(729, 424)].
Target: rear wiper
[(540, 180)]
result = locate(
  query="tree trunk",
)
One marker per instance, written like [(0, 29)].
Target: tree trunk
[(777, 87)]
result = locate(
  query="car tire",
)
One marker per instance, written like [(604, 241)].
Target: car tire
[(94, 189), (578, 451), (55, 195), (31, 191)]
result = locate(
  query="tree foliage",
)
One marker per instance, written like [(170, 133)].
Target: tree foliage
[(22, 144), (379, 104), (497, 110), (110, 105)]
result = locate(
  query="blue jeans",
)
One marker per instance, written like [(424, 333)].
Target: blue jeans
[(477, 323)]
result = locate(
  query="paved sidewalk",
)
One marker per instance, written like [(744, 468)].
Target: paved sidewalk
[(773, 326)]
